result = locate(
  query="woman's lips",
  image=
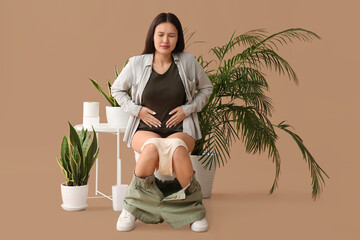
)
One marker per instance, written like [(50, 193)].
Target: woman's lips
[(165, 46)]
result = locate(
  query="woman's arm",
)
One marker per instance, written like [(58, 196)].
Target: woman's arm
[(204, 87), (120, 87)]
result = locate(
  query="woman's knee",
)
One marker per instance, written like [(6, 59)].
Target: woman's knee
[(181, 157), (181, 154), (189, 141), (150, 151), (149, 159)]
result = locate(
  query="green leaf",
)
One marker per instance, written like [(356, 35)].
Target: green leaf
[(65, 153), (63, 170), (64, 148), (74, 170), (91, 153), (75, 140), (86, 144), (85, 147), (114, 103), (93, 159), (109, 98), (81, 135)]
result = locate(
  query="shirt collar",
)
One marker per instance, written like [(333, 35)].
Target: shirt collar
[(149, 60)]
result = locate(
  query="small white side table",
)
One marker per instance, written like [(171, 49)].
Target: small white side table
[(118, 190)]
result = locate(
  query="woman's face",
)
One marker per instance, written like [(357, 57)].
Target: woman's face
[(165, 38)]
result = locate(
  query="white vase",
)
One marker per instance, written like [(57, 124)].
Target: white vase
[(116, 117), (205, 177), (74, 197)]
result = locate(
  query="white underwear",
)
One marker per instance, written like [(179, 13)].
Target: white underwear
[(166, 148)]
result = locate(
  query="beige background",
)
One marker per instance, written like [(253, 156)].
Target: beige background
[(49, 49)]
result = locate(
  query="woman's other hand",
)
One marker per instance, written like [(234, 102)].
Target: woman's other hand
[(146, 115), (177, 116)]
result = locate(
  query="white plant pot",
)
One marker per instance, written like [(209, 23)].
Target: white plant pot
[(116, 117), (74, 197), (205, 177)]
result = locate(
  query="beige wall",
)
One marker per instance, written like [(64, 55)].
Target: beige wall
[(49, 49)]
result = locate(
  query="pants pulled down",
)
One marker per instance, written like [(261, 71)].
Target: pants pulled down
[(153, 201)]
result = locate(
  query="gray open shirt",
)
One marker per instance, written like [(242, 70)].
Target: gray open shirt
[(137, 72)]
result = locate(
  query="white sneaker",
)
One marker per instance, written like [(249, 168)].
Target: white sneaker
[(125, 222), (200, 225)]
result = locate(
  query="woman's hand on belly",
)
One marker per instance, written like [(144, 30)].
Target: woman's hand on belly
[(146, 115), (177, 116)]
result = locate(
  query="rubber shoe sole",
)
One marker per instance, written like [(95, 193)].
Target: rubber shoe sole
[(124, 228)]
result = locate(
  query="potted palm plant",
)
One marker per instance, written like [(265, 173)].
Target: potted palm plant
[(78, 155), (115, 116), (238, 108)]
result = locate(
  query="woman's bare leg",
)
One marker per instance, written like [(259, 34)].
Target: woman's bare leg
[(181, 159), (149, 157)]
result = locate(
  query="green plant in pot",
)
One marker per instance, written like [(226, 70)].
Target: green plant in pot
[(116, 117), (78, 154), (239, 109)]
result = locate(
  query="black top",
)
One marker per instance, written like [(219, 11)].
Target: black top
[(163, 93)]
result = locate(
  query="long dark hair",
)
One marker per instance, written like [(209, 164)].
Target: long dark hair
[(161, 18)]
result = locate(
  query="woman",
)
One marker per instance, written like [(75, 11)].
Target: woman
[(163, 127)]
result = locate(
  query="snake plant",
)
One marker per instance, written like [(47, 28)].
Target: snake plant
[(238, 108), (108, 96), (77, 156)]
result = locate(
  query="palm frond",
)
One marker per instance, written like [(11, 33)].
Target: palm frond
[(249, 38), (274, 61), (315, 170), (219, 141), (247, 85), (273, 153), (187, 38), (220, 52), (204, 64), (250, 126), (258, 135), (286, 36)]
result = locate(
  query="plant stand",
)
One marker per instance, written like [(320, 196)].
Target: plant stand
[(118, 190)]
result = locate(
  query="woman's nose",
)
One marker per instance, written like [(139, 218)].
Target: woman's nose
[(165, 39)]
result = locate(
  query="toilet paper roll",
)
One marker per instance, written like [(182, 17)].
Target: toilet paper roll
[(91, 109), (91, 121)]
